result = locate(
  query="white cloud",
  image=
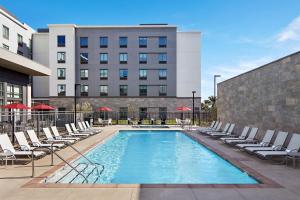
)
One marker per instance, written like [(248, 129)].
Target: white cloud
[(291, 32)]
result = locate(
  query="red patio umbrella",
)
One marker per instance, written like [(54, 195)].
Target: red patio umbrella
[(16, 106), (43, 107), (183, 108), (104, 109)]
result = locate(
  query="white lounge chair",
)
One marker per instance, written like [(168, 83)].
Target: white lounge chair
[(50, 138), (109, 121), (277, 145), (217, 129), (97, 129), (236, 137), (249, 139), (83, 126), (292, 147), (264, 143), (23, 143), (228, 133), (225, 129), (10, 153), (71, 133), (76, 131), (36, 142), (59, 137)]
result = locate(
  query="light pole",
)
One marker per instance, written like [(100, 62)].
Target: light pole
[(215, 82), (193, 107), (75, 101)]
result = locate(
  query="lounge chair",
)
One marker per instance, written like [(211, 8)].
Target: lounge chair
[(71, 133), (265, 141), (249, 139), (76, 131), (50, 138), (292, 147), (109, 121), (236, 137), (85, 127), (36, 142), (23, 143), (10, 153), (228, 133), (225, 129), (90, 127), (59, 137), (277, 145), (217, 129)]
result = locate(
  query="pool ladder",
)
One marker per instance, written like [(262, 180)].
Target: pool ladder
[(95, 166)]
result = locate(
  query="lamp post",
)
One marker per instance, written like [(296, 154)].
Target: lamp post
[(215, 82), (193, 107), (75, 101)]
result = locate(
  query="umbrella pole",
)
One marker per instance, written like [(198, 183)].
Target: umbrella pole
[(13, 127), (38, 125)]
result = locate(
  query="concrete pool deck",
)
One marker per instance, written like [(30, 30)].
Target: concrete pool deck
[(16, 181)]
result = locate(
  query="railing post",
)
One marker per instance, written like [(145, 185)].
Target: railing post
[(32, 160), (52, 162)]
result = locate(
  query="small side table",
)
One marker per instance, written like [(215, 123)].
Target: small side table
[(294, 156)]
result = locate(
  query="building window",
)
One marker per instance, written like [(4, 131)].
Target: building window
[(123, 90), (103, 58), (84, 90), (123, 113), (103, 42), (143, 90), (143, 58), (162, 58), (143, 42), (143, 74), (162, 74), (162, 42), (123, 74), (5, 32), (20, 40), (5, 46), (84, 74), (123, 58), (162, 90), (20, 53), (61, 41), (103, 74), (61, 73), (14, 91), (61, 90), (84, 42), (143, 113), (103, 90), (123, 42), (84, 58), (61, 57), (1, 89)]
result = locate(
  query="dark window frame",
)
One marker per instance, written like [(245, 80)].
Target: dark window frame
[(162, 77), (125, 39), (84, 77), (143, 77), (61, 40), (103, 94), (141, 93), (160, 55), (103, 45), (84, 93), (123, 61), (143, 61), (61, 77), (63, 53), (20, 41), (103, 61), (143, 45), (162, 93), (123, 78), (3, 35), (61, 93), (103, 78), (85, 45), (159, 42), (82, 61), (123, 94)]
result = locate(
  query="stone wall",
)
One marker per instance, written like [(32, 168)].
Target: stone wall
[(267, 97)]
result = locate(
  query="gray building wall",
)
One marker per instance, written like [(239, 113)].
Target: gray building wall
[(267, 97), (133, 66)]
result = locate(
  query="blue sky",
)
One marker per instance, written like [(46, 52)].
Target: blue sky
[(237, 35)]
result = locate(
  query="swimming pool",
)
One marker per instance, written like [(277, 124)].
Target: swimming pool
[(155, 157)]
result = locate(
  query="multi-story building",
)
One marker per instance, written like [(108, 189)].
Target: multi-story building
[(16, 66), (148, 67)]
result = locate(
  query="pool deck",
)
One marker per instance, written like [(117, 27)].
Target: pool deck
[(282, 182)]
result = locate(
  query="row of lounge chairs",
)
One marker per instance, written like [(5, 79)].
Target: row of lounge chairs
[(53, 141), (247, 141)]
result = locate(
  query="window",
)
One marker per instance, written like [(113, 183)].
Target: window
[(123, 90), (84, 90), (123, 58), (143, 42), (162, 58), (61, 41), (162, 90), (5, 32), (20, 53), (162, 74), (103, 42), (162, 113), (143, 90), (84, 42), (84, 58), (103, 58), (14, 91), (143, 113), (103, 90), (143, 74), (123, 74), (123, 42), (61, 73), (5, 46), (84, 74), (143, 58), (162, 42), (61, 90), (1, 89), (61, 57), (103, 74), (123, 113), (20, 40)]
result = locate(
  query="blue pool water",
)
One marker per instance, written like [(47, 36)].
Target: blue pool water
[(155, 157)]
